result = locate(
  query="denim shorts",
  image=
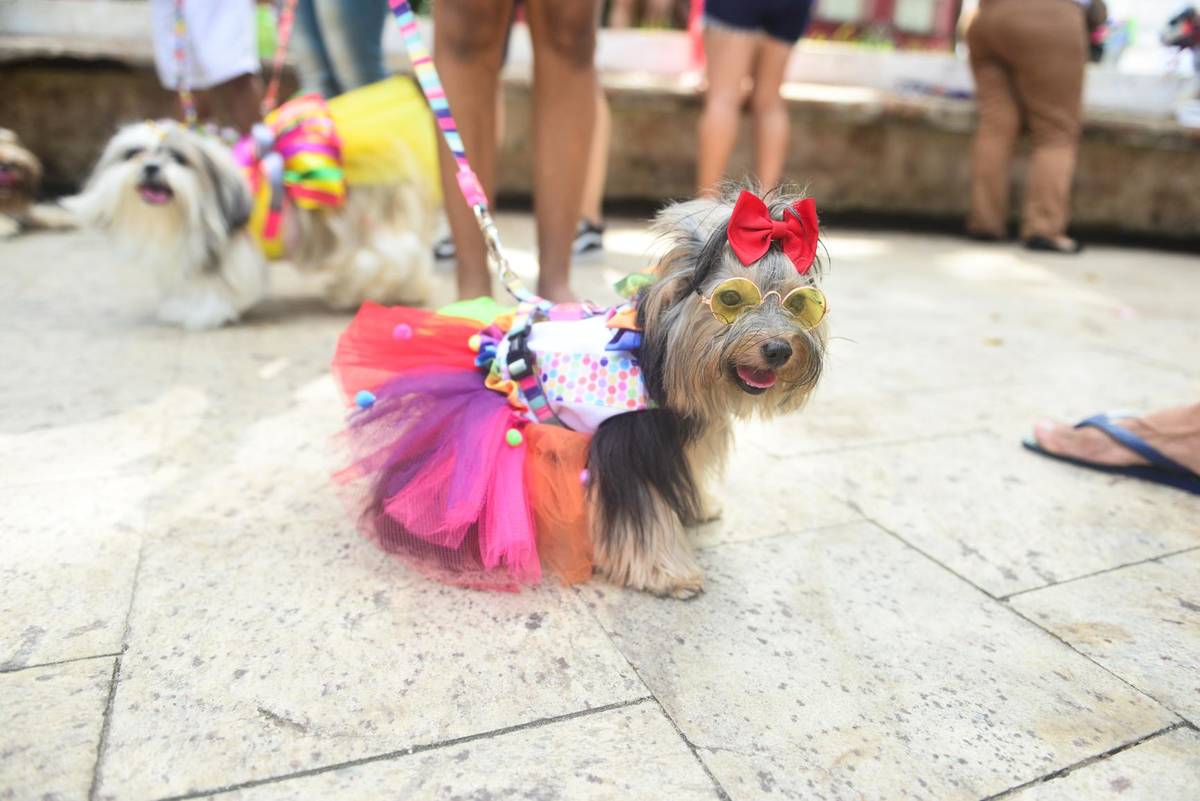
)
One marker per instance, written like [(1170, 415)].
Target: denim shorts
[(785, 20)]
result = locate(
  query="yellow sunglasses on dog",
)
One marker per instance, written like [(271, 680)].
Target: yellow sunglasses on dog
[(806, 304)]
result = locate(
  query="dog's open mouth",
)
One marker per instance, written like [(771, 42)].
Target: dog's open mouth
[(155, 194), (12, 180), (754, 381), (10, 176)]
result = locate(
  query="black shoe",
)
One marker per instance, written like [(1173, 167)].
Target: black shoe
[(589, 238), (1049, 245), (444, 250)]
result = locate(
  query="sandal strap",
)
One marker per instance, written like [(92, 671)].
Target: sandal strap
[(1123, 436)]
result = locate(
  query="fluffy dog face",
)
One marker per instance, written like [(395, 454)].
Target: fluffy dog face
[(160, 184), (765, 361), (20, 174)]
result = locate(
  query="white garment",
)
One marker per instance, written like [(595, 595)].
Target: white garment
[(222, 41), (584, 384)]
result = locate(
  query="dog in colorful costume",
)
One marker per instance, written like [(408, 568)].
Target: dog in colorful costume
[(566, 438), (346, 188)]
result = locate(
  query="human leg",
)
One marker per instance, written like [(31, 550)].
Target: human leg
[(597, 169), (1049, 57), (564, 43), (352, 32), (769, 112), (996, 135), (729, 58), (468, 47), (312, 59)]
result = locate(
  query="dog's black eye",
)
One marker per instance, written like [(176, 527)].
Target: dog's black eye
[(178, 157), (730, 297), (132, 152)]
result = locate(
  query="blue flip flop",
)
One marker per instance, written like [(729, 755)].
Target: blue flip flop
[(1161, 470)]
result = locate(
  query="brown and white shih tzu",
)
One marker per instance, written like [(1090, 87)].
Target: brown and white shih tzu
[(733, 327), (175, 200)]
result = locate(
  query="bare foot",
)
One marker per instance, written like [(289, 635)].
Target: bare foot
[(1173, 432), (556, 293)]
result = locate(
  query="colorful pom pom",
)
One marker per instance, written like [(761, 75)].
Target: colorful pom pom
[(364, 399), (402, 332), (473, 343), (513, 437)]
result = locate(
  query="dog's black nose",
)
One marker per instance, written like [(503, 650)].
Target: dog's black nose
[(776, 352), (150, 170)]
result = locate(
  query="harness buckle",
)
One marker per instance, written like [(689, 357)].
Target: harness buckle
[(520, 360)]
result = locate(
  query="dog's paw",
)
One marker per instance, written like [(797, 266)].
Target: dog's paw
[(51, 217), (8, 227), (711, 507), (197, 314), (680, 587)]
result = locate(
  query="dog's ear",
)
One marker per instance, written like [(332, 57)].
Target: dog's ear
[(691, 224), (232, 193), (692, 232)]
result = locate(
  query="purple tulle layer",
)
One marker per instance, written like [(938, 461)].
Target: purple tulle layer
[(442, 485)]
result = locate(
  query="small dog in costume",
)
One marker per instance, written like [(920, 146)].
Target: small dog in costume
[(565, 438), (345, 188)]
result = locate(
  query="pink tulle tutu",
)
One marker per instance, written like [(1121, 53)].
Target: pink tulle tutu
[(445, 471)]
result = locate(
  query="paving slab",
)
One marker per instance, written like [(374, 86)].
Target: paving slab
[(1163, 768), (288, 643), (630, 753), (67, 562), (1004, 518), (79, 340), (1142, 622), (52, 718), (863, 670), (759, 499)]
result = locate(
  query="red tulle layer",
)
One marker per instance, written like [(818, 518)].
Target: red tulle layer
[(383, 342)]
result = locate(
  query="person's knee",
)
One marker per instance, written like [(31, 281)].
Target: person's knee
[(724, 101), (570, 31), (766, 103), (999, 124), (1060, 134), (468, 30)]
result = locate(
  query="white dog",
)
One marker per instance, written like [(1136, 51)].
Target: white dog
[(176, 201)]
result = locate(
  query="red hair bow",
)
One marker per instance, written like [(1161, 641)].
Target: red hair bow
[(752, 229)]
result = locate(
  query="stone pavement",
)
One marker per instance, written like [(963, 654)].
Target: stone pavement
[(901, 603)]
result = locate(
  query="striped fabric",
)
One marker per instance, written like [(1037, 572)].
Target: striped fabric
[(186, 100), (294, 151)]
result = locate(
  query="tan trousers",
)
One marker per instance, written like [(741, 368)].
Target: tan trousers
[(1028, 58)]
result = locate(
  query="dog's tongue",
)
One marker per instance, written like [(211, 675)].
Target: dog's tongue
[(154, 195), (759, 379)]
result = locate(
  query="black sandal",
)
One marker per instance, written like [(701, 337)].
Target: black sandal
[(1048, 245)]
